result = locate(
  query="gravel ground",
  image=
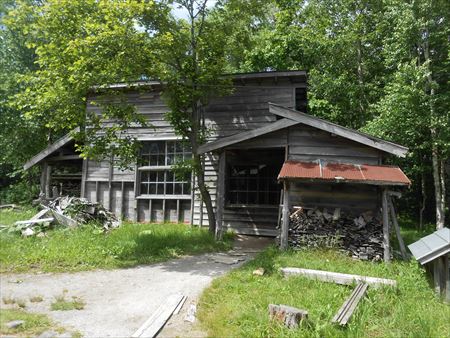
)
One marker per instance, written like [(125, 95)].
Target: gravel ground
[(118, 302)]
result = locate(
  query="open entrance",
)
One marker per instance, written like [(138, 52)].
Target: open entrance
[(252, 193)]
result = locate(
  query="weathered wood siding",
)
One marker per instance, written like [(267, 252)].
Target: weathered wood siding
[(244, 109)]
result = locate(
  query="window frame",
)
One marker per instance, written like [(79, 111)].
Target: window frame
[(166, 170)]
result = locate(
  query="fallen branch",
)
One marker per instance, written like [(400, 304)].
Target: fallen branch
[(336, 277)]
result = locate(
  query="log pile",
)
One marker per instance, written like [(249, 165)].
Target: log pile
[(360, 236)]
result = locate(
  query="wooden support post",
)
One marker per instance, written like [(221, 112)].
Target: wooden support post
[(150, 209), (285, 223), (178, 211), (164, 210), (122, 198), (220, 203), (43, 179), (192, 199), (386, 245), (48, 182), (136, 193), (83, 178), (397, 228), (97, 192), (446, 278), (110, 185)]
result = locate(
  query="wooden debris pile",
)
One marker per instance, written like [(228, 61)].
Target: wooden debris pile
[(71, 211), (361, 236), (67, 212)]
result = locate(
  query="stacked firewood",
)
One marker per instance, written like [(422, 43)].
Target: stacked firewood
[(360, 236)]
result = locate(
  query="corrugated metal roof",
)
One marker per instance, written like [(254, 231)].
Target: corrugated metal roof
[(340, 172), (432, 246)]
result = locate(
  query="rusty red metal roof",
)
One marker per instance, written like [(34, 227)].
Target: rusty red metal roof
[(341, 172)]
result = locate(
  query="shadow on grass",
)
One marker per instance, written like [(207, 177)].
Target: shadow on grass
[(155, 243)]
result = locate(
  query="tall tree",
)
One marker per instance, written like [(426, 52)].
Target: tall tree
[(194, 64), (80, 45), (415, 107)]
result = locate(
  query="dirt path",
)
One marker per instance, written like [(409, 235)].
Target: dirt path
[(119, 301)]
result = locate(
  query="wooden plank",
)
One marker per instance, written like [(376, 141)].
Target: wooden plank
[(158, 319), (50, 149), (84, 169), (35, 221), (397, 228), (220, 195), (40, 214), (226, 141), (386, 244), (333, 128), (180, 306), (336, 277), (285, 223), (346, 311)]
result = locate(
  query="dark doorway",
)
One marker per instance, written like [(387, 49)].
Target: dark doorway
[(252, 177)]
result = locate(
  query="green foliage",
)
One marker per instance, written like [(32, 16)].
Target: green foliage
[(236, 304), (21, 192), (79, 45), (85, 249)]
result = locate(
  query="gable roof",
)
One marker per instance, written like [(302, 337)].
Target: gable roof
[(246, 135), (292, 117), (432, 246), (50, 149), (336, 129)]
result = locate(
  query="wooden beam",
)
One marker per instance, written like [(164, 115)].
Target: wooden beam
[(346, 311), (333, 128), (220, 202), (50, 149), (285, 224), (386, 244), (246, 135), (159, 318), (397, 228), (338, 278), (97, 192)]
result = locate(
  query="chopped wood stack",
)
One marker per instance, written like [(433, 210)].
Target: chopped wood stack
[(361, 236)]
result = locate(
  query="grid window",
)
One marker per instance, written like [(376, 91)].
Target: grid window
[(158, 180), (253, 184)]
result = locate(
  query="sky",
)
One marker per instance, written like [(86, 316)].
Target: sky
[(182, 13)]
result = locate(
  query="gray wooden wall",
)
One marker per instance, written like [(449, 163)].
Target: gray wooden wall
[(245, 109)]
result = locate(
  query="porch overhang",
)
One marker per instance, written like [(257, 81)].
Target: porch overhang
[(319, 171), (50, 149)]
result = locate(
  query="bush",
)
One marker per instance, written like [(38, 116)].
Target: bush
[(21, 192)]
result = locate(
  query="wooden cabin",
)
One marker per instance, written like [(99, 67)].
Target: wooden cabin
[(257, 129)]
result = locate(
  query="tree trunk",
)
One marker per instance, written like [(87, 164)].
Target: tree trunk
[(437, 180), (424, 200), (206, 196)]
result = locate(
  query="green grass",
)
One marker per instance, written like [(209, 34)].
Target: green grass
[(236, 305), (85, 249), (34, 324), (62, 304), (9, 216)]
